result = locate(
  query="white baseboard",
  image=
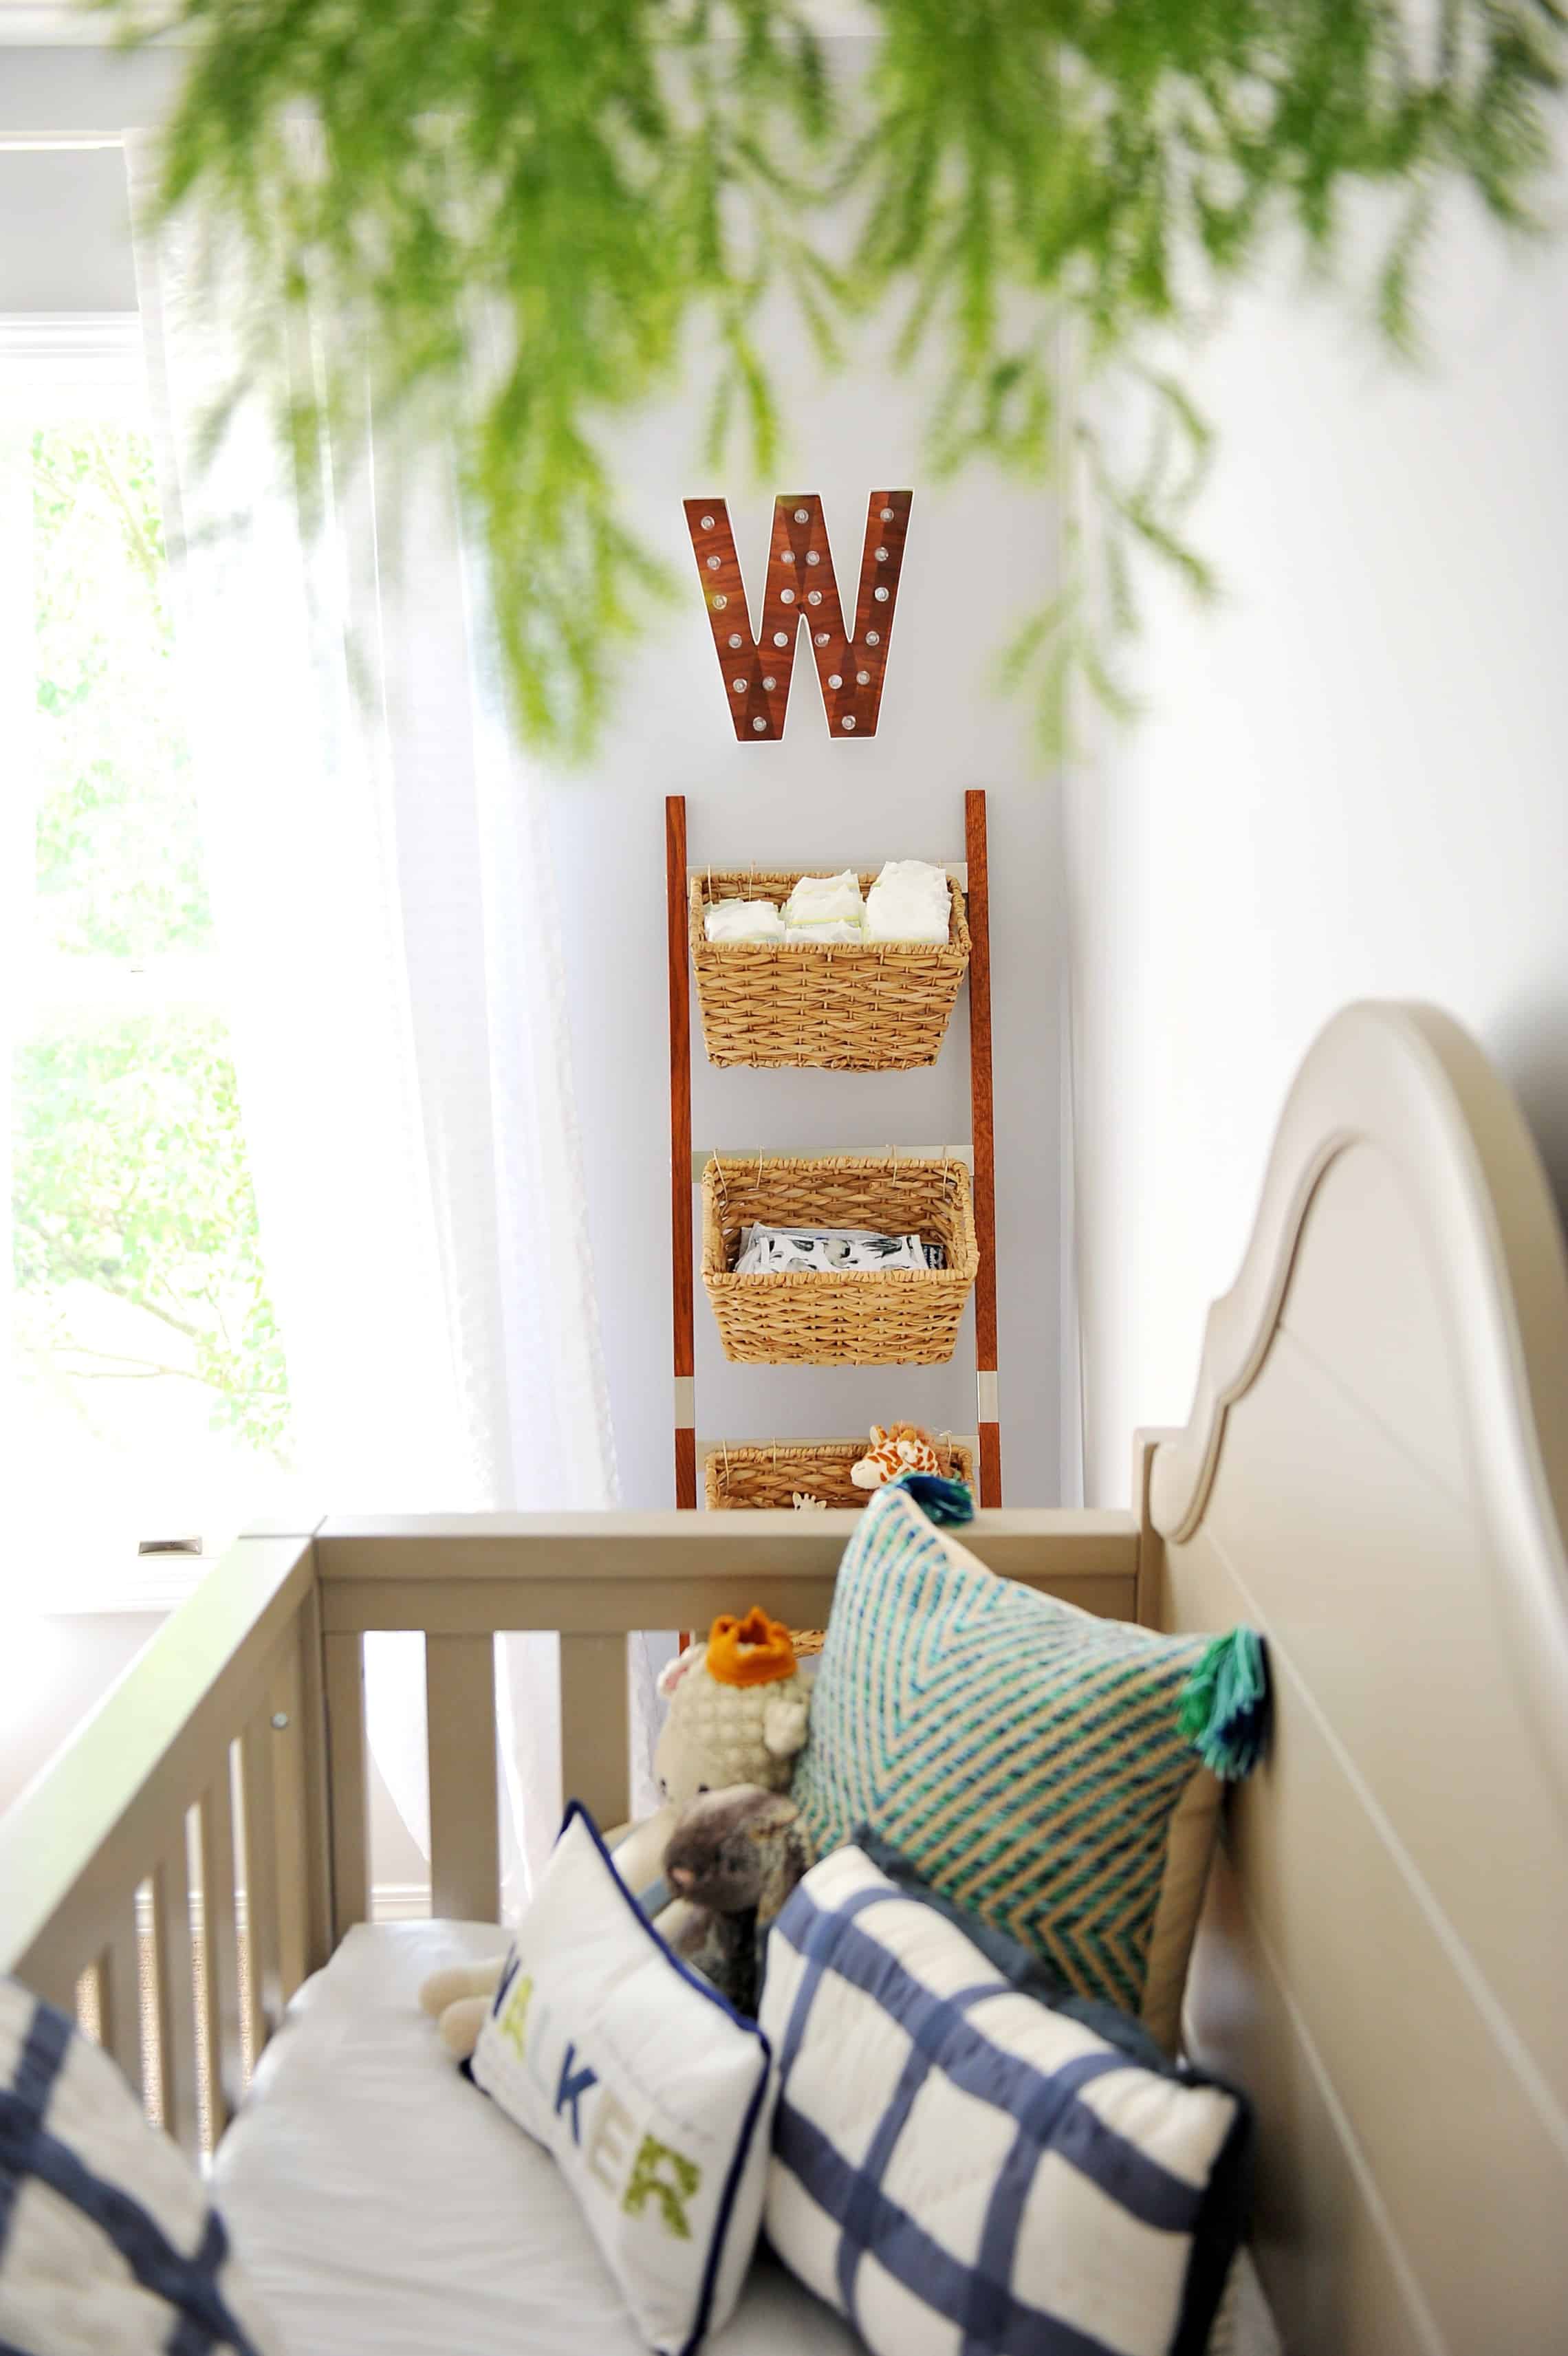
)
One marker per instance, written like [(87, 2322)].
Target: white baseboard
[(399, 1901), (391, 1901)]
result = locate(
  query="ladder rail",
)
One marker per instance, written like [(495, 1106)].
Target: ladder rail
[(685, 1166)]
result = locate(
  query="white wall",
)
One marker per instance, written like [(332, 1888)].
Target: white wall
[(57, 1670), (1353, 781), (81, 89), (977, 556), (65, 229)]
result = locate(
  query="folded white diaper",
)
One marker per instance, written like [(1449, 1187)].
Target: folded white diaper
[(909, 902), (744, 920), (774, 1251), (819, 900)]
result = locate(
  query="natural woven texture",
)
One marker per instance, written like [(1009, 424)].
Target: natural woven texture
[(881, 1007), (753, 1479), (860, 1317)]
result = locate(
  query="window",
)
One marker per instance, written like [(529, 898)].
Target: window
[(149, 1379)]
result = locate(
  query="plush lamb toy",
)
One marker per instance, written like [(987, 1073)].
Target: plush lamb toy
[(458, 1996), (738, 1710), (902, 1448), (737, 1715)]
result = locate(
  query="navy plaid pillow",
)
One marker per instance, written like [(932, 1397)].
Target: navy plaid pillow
[(961, 2170), (1028, 1973)]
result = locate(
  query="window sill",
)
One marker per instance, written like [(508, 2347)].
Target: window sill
[(148, 1582)]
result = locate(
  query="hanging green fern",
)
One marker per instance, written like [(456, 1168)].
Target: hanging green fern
[(588, 186)]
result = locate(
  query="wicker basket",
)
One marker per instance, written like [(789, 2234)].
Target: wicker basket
[(878, 1007), (748, 1480), (859, 1317)]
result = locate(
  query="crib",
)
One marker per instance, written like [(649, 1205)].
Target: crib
[(246, 1713), (1374, 1472)]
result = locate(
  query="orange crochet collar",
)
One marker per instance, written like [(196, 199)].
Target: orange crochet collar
[(750, 1651)]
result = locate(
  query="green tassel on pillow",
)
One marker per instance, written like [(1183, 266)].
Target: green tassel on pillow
[(1225, 1704), (939, 1500)]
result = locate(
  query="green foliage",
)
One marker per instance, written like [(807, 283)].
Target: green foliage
[(119, 865), (596, 182), (536, 195), (129, 1175)]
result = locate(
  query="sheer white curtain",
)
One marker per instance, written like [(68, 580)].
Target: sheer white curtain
[(382, 873)]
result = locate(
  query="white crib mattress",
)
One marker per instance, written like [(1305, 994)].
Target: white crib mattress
[(385, 2207)]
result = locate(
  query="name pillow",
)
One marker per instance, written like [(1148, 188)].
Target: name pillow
[(961, 2170), (1045, 1769), (655, 2099)]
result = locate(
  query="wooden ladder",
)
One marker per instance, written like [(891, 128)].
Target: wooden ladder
[(683, 1175)]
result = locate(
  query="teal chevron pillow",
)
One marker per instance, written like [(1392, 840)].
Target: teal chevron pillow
[(1037, 1765)]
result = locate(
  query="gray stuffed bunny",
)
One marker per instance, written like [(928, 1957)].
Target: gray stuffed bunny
[(734, 1857)]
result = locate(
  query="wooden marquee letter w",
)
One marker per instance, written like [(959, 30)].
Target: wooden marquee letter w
[(800, 587)]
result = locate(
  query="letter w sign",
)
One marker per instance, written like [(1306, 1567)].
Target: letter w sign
[(800, 587)]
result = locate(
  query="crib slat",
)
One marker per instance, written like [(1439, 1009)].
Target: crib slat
[(120, 1998), (460, 1708), (175, 1986), (318, 1830), (595, 1739), (288, 1782), (344, 1653), (57, 1984), (261, 1878), (220, 1943)]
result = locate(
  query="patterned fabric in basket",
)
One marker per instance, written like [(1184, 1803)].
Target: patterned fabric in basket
[(879, 1006), (866, 1317)]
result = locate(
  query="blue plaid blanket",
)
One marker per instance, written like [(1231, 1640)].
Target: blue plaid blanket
[(107, 2238)]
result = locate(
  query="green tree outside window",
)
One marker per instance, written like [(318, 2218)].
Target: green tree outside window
[(131, 1183)]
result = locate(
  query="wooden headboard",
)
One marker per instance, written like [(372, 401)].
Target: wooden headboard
[(1375, 1474)]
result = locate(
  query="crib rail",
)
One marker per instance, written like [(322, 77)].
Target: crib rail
[(203, 1842), (167, 1877), (593, 1577)]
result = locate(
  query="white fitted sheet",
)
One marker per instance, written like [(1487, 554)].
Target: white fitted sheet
[(385, 2207)]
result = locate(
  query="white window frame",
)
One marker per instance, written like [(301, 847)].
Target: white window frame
[(91, 356)]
